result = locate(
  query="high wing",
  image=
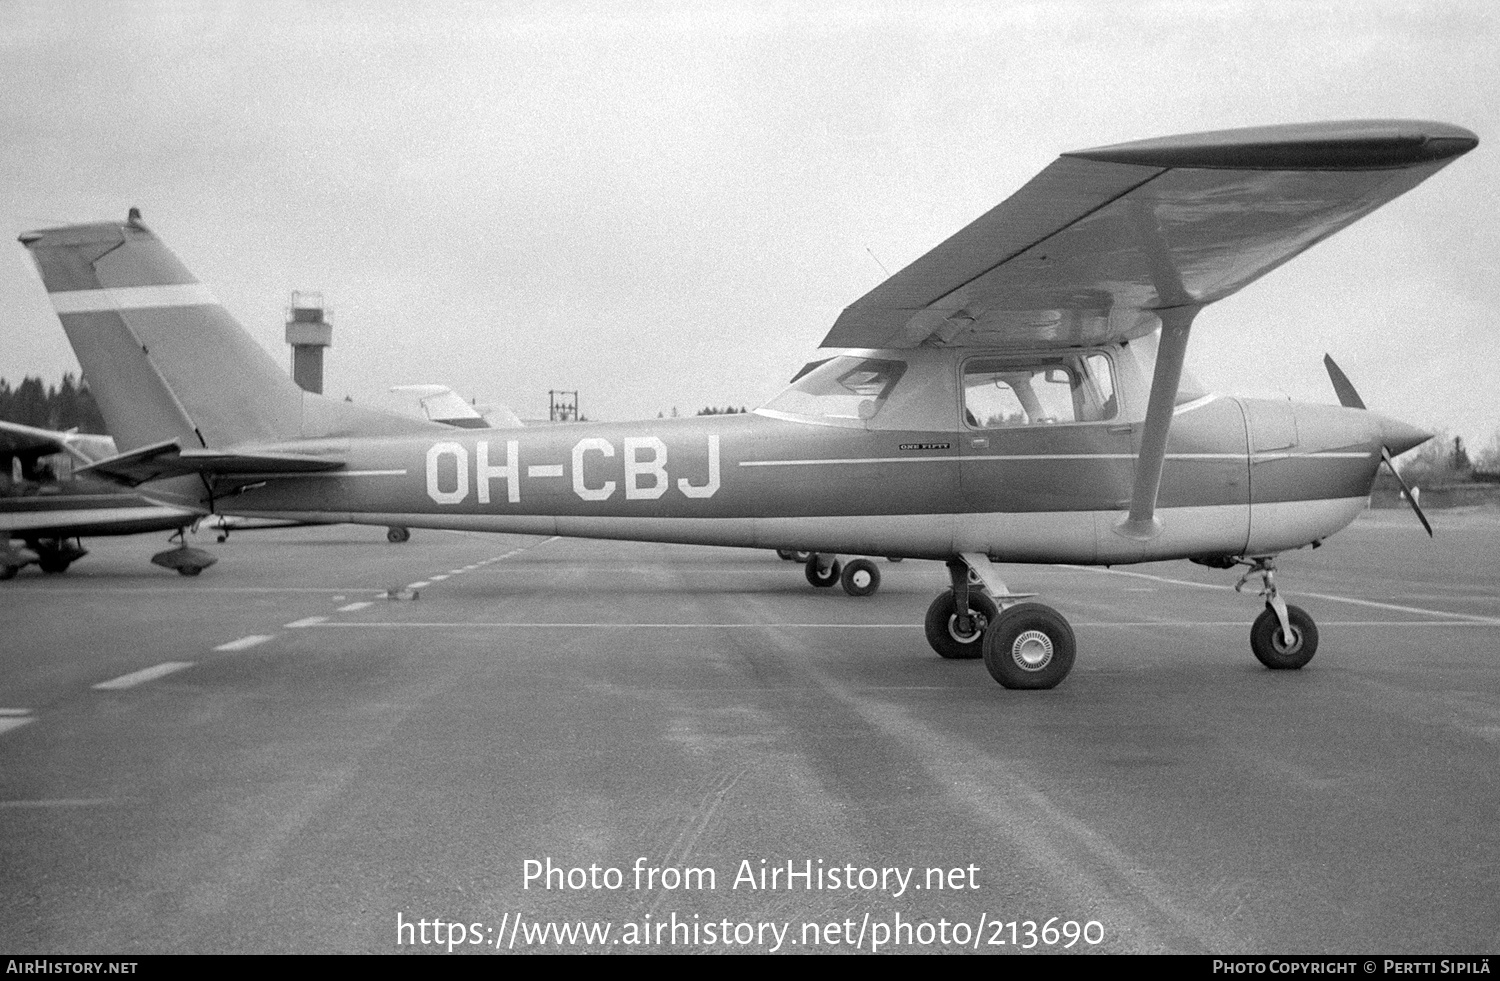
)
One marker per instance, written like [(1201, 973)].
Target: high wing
[(1091, 248)]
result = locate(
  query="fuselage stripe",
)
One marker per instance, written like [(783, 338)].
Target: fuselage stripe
[(327, 473), (1330, 455)]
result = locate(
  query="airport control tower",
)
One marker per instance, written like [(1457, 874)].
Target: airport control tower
[(308, 331)]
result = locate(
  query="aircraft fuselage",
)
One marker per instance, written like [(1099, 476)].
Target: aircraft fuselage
[(1243, 476)]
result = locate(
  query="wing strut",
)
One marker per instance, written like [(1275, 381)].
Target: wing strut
[(1142, 522)]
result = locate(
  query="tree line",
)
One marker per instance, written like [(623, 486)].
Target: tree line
[(69, 405), (1446, 459)]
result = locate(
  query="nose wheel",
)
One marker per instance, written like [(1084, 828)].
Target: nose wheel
[(1283, 637)]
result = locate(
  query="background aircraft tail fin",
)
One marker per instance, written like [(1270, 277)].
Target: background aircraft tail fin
[(164, 359)]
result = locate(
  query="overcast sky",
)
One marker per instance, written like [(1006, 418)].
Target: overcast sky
[(668, 204)]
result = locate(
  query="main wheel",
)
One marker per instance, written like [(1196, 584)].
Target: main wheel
[(1030, 646), (189, 570), (396, 534), (54, 564), (943, 632), (861, 577), (1277, 651), (819, 579)]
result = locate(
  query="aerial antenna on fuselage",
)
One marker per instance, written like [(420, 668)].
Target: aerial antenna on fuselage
[(878, 262)]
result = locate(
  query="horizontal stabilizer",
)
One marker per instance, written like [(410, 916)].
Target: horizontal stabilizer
[(168, 459)]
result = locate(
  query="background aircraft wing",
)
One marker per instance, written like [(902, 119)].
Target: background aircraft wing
[(1090, 247), (19, 440), (29, 442)]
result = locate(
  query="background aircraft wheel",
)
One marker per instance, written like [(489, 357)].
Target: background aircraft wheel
[(1272, 647), (942, 625), (397, 534), (9, 571), (1029, 646), (861, 577), (54, 564), (786, 554), (189, 570), (819, 579), (894, 558)]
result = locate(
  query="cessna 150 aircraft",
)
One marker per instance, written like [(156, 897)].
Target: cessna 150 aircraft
[(1014, 395)]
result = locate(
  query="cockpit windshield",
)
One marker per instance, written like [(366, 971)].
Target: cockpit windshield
[(843, 390)]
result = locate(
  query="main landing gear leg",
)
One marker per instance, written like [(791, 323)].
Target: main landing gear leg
[(957, 619), (1024, 645), (1283, 637)]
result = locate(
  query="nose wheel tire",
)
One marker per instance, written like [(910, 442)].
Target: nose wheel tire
[(860, 577), (944, 633), (1030, 646), (1276, 650)]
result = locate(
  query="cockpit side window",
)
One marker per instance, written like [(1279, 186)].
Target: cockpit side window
[(1058, 389)]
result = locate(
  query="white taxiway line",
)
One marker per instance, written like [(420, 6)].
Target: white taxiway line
[(15, 719), (244, 642), (354, 606), (305, 622), (185, 587), (1099, 624), (143, 675), (1395, 607)]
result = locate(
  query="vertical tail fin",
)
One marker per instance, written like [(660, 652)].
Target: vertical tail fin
[(164, 359)]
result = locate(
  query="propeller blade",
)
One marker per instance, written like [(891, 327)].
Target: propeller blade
[(1385, 455), (1348, 397)]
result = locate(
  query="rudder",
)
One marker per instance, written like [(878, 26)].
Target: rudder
[(163, 358)]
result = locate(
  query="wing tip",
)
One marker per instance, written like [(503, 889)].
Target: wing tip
[(1375, 144)]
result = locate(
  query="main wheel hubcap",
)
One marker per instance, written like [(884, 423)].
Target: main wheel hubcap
[(1032, 650)]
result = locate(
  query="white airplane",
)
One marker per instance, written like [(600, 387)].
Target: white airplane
[(442, 404), (1016, 395)]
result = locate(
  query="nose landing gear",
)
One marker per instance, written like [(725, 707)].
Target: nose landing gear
[(1283, 637)]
